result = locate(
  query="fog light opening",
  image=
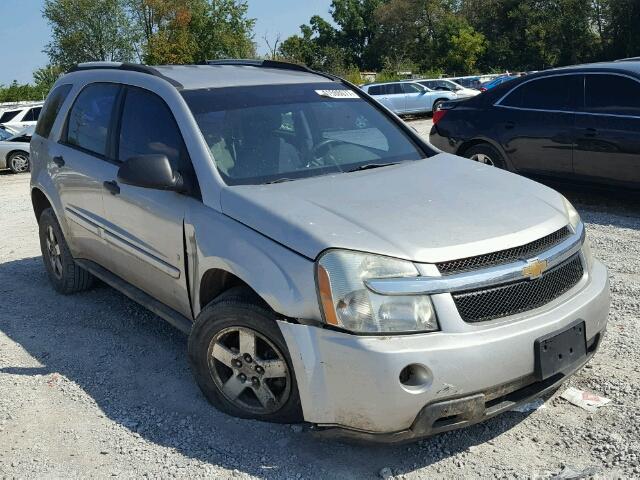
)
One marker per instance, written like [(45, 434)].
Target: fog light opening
[(416, 378)]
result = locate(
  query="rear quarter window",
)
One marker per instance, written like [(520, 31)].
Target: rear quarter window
[(50, 110)]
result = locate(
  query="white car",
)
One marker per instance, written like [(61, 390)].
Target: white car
[(450, 86), (15, 150), (17, 119), (408, 97)]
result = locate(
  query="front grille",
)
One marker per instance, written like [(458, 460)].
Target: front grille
[(504, 300), (523, 252)]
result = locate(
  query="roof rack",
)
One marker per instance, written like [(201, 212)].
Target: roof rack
[(270, 64), (261, 63), (128, 67)]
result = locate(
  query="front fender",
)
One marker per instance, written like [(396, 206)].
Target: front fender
[(284, 279)]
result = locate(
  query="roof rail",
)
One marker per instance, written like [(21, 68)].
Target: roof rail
[(128, 67), (261, 63), (630, 59)]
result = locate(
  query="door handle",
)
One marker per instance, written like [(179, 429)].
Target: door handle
[(509, 125), (590, 132), (59, 161), (112, 186)]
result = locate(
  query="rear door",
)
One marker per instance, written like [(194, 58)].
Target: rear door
[(536, 126), (608, 130), (144, 227), (79, 164)]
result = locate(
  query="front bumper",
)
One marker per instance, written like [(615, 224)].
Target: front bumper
[(352, 383)]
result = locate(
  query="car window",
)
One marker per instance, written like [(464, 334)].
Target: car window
[(264, 133), (51, 109), (394, 89), (35, 112), (551, 93), (148, 127), (612, 94), (90, 118), (411, 88), (375, 90), (8, 116)]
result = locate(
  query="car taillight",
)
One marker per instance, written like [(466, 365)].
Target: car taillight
[(483, 89), (438, 114)]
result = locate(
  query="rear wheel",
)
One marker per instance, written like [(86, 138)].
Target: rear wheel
[(436, 105), (240, 359), (485, 153), (18, 162), (65, 275)]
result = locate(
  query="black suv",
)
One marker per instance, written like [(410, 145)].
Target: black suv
[(579, 123)]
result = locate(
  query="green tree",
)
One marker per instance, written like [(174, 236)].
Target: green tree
[(191, 31), (88, 30)]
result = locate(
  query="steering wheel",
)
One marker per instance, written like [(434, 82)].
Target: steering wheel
[(325, 144)]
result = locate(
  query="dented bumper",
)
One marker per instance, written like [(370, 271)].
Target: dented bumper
[(351, 384)]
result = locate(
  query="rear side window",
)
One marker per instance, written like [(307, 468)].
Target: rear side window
[(612, 94), (51, 109), (375, 90), (551, 93), (148, 127), (394, 88), (8, 116), (90, 118)]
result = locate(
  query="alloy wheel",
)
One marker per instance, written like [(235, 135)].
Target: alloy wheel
[(54, 253), (20, 163), (249, 370), (483, 158)]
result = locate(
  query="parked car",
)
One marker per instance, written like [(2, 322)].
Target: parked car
[(327, 263), (408, 97), (495, 82), (578, 124), (449, 86), (472, 82), (14, 150), (20, 118)]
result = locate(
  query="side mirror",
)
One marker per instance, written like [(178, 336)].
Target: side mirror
[(150, 171)]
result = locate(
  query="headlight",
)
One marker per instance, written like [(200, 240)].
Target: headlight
[(572, 214), (347, 302)]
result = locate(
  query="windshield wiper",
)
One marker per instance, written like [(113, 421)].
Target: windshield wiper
[(369, 166), (279, 180)]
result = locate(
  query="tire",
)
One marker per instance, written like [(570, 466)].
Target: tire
[(216, 335), (65, 275), (18, 162), (435, 105), (485, 153)]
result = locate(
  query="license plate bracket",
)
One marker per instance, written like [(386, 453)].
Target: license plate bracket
[(558, 351)]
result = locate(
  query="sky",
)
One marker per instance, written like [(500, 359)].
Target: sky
[(24, 33)]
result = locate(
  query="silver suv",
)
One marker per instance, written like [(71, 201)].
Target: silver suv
[(328, 265)]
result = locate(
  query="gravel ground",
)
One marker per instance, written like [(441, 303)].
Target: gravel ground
[(94, 385)]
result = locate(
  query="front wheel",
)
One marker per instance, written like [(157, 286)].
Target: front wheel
[(241, 362), (18, 162)]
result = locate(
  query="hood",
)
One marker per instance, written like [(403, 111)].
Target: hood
[(432, 210)]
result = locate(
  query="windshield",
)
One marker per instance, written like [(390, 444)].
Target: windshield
[(269, 133)]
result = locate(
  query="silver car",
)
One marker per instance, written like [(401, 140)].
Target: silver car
[(328, 265), (408, 97), (14, 150)]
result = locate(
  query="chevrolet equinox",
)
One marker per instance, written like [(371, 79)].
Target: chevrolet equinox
[(328, 264)]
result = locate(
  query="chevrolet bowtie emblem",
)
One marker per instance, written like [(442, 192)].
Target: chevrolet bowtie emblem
[(534, 268)]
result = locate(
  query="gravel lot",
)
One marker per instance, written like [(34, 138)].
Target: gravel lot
[(93, 385)]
